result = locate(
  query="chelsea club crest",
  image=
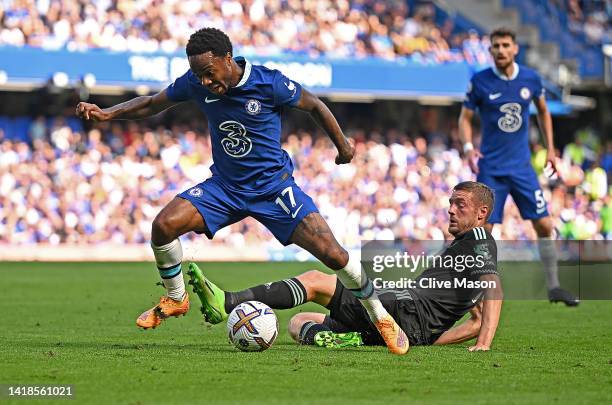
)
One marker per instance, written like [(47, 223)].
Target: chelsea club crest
[(253, 107), (196, 192), (525, 93)]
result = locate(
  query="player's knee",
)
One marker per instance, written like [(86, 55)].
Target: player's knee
[(336, 259), (311, 278), (314, 281), (543, 227), (162, 230)]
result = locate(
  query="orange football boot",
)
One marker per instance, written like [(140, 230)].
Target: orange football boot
[(167, 307), (393, 335)]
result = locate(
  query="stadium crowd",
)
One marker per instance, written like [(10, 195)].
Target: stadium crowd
[(591, 18), (108, 183), (342, 28)]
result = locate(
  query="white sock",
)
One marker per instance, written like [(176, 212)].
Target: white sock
[(354, 278), (548, 254), (352, 275), (375, 309), (168, 259)]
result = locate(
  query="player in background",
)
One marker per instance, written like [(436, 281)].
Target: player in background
[(252, 174), (426, 313), (502, 95)]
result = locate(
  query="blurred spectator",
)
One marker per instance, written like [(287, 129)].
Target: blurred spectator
[(606, 160), (475, 50), (539, 158), (596, 182), (574, 152), (606, 218), (591, 18), (584, 150)]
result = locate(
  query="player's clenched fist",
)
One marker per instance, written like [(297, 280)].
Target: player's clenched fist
[(90, 111), (345, 155), (472, 157)]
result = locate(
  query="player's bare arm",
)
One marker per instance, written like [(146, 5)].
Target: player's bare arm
[(139, 107), (465, 331), (545, 123), (326, 120), (491, 310), (465, 134)]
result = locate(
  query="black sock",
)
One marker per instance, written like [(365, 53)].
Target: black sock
[(277, 295), (309, 330)]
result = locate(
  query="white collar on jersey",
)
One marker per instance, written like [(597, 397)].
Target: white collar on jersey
[(504, 77), (245, 74)]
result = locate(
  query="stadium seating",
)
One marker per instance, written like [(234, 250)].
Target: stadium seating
[(579, 31)]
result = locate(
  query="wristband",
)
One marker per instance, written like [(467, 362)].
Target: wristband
[(468, 147)]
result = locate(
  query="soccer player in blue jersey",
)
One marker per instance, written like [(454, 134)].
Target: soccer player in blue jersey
[(251, 174), (502, 95)]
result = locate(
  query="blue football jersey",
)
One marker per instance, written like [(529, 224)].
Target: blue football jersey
[(503, 104), (245, 125)]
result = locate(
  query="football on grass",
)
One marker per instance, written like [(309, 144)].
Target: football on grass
[(252, 326)]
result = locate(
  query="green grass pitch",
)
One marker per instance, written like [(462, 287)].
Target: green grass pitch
[(75, 324)]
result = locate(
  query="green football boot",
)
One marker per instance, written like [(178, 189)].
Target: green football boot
[(338, 340), (212, 297)]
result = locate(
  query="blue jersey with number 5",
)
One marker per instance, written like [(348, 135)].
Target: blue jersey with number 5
[(245, 125), (503, 104)]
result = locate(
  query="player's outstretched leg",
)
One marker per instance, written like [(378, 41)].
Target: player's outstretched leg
[(548, 254), (177, 218), (314, 235), (176, 302), (283, 294), (310, 286), (353, 275)]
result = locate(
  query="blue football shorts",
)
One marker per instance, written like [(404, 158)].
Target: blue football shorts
[(280, 210), (524, 188)]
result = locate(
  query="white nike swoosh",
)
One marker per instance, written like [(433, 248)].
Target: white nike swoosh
[(212, 100), (494, 96), (296, 211)]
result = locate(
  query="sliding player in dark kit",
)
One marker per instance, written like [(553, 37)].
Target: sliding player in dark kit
[(427, 313)]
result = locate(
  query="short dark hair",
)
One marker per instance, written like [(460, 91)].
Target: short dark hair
[(482, 192), (209, 40), (503, 32)]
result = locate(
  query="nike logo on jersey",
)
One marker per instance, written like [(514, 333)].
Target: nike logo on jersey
[(211, 100), (494, 96), (296, 211)]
